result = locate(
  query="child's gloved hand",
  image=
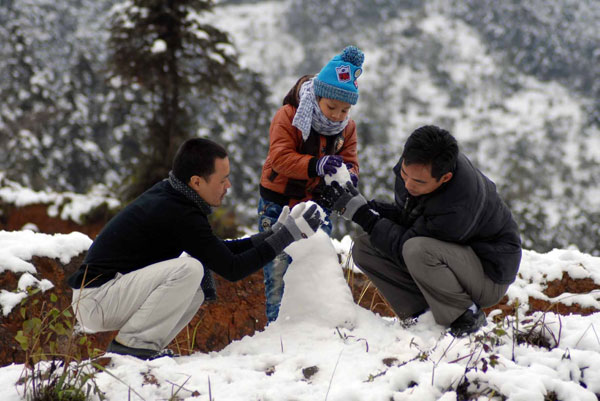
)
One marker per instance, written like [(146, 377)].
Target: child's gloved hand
[(328, 164)]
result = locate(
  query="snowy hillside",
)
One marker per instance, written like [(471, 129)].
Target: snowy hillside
[(515, 82), (325, 347), (433, 62)]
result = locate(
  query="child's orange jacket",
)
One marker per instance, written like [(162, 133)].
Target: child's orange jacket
[(289, 172)]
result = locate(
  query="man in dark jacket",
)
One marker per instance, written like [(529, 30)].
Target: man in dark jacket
[(448, 243), (133, 279)]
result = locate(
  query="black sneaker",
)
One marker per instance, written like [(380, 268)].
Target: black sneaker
[(141, 353), (468, 323)]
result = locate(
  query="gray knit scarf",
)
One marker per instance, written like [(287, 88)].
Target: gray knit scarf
[(208, 282), (189, 193), (309, 115)]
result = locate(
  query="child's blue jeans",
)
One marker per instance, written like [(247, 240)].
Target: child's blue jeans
[(268, 213)]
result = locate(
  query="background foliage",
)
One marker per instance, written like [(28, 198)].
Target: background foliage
[(88, 95)]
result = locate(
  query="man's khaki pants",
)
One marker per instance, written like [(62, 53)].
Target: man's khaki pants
[(149, 306), (445, 277)]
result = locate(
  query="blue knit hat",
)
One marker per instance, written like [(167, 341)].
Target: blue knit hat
[(337, 80)]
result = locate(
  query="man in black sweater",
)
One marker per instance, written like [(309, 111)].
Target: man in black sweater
[(448, 243), (134, 278)]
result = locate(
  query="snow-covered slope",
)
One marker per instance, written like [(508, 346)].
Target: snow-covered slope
[(324, 347)]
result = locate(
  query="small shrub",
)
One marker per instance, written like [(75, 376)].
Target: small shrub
[(55, 368)]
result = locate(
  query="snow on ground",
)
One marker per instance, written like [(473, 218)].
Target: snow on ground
[(66, 205), (325, 347), (17, 249)]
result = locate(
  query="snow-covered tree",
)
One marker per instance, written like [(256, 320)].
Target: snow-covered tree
[(54, 120), (165, 51)]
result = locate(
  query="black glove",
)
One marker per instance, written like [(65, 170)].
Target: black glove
[(350, 204), (327, 197), (346, 200)]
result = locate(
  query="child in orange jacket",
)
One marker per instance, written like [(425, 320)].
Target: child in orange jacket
[(311, 136)]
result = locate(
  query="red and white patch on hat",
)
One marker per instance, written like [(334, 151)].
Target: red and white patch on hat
[(343, 73)]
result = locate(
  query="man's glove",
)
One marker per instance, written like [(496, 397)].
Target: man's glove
[(346, 201), (285, 212), (305, 224), (298, 209), (330, 195), (261, 236), (302, 222), (281, 219), (328, 164)]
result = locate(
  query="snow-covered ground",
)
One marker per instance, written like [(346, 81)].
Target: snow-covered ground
[(325, 347), (65, 205)]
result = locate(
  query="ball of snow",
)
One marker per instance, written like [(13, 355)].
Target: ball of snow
[(342, 176)]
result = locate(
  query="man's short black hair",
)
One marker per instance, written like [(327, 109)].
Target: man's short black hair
[(196, 156), (431, 145)]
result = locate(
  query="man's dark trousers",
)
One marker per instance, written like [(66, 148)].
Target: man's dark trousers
[(445, 277)]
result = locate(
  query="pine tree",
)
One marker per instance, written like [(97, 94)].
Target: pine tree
[(164, 49), (53, 123)]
